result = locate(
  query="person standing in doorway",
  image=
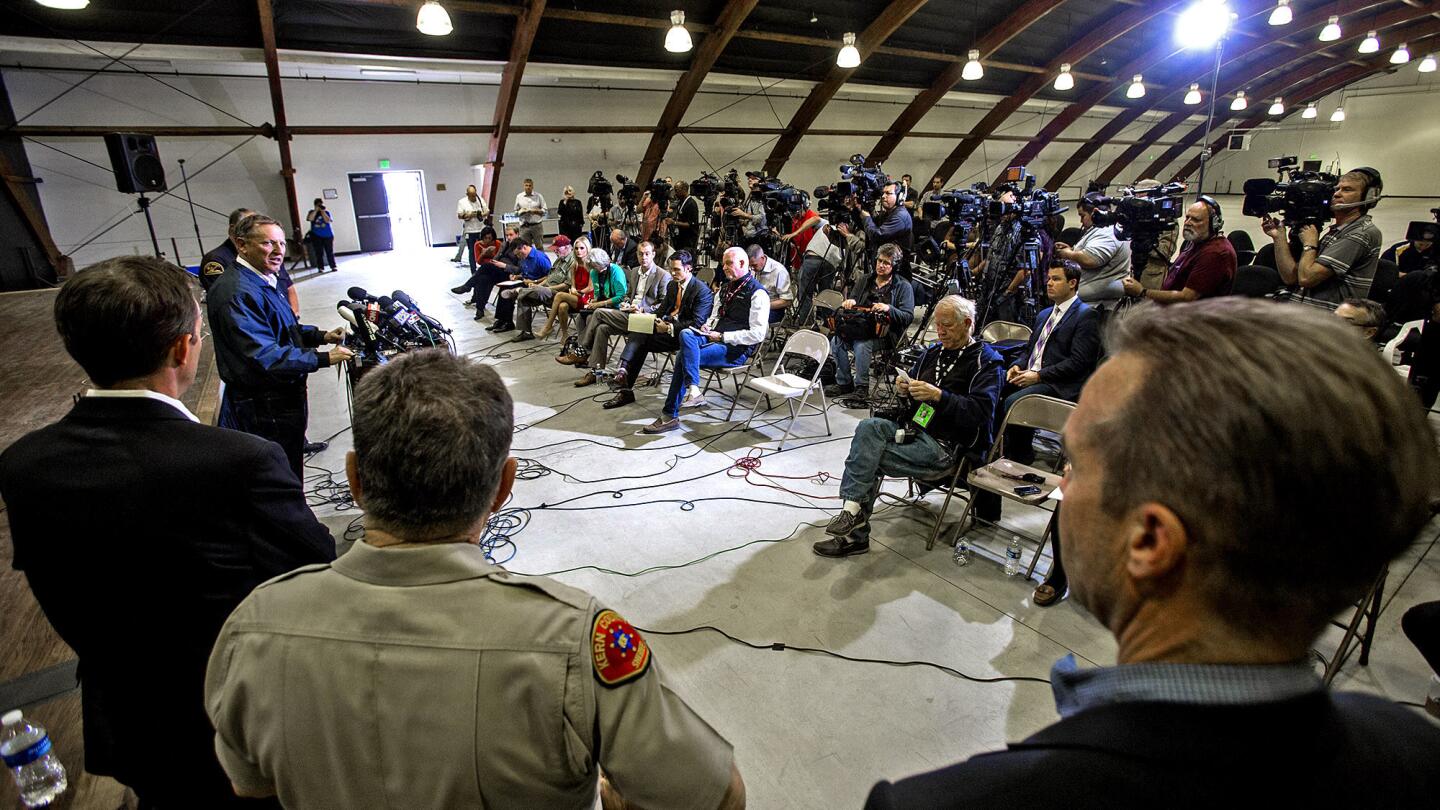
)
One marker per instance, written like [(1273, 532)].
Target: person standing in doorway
[(530, 206), (322, 237)]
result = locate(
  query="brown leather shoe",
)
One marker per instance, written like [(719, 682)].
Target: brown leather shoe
[(662, 425), (622, 398), (1046, 595), (588, 379), (569, 359)]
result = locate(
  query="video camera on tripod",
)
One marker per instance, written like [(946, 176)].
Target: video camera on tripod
[(1139, 214), (600, 188), (858, 181)]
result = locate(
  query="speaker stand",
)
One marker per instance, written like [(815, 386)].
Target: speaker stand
[(150, 223)]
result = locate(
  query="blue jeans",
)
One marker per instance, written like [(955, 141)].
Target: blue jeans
[(874, 455), (862, 349), (695, 352)]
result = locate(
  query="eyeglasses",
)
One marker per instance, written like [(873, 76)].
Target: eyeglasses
[(268, 243)]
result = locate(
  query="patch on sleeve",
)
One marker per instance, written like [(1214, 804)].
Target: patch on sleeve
[(620, 654), (213, 269)]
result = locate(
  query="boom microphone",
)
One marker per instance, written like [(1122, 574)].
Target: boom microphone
[(359, 294)]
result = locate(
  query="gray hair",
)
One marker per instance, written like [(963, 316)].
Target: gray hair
[(891, 252), (1372, 312), (599, 259), (432, 433), (247, 226), (755, 252), (963, 308), (1297, 460)]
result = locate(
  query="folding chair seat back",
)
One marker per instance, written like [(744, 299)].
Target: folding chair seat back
[(1040, 412), (1004, 330)]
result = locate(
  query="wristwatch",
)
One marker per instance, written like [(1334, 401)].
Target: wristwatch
[(1304, 248)]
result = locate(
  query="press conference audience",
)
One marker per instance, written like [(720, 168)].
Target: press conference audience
[(1205, 267), (608, 287), (577, 294), (687, 305), (1182, 518), (1103, 257), (773, 276), (1365, 315), (540, 293), (138, 529), (414, 672), (1340, 264), (623, 249), (1415, 255), (607, 322), (947, 413), (890, 302)]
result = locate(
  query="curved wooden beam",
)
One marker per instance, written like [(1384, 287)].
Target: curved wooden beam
[(1154, 56), (1007, 29), (726, 25), (894, 15), (526, 24), (1096, 38), (1281, 59)]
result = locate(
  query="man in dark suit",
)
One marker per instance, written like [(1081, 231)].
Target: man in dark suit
[(140, 529), (687, 303), (1197, 477), (624, 249)]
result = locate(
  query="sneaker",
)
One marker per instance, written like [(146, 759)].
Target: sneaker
[(841, 547), (662, 425), (839, 390), (845, 523)]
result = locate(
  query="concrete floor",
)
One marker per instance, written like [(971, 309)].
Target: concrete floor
[(809, 731)]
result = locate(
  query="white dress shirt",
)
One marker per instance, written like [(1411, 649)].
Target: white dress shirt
[(141, 393)]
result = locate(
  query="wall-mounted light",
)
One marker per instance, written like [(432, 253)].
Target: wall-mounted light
[(849, 56), (1192, 96), (1065, 81), (972, 70), (677, 39), (433, 20), (1136, 88)]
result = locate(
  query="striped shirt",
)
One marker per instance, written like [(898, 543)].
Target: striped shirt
[(1077, 689), (1350, 252)]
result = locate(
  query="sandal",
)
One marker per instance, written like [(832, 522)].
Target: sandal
[(1045, 595)]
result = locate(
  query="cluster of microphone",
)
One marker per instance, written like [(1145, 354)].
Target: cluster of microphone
[(383, 326)]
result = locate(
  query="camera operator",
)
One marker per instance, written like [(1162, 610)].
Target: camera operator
[(750, 213), (891, 302), (1205, 267), (1103, 258), (684, 220), (1340, 264), (892, 224), (1415, 255), (909, 196), (994, 269), (321, 237), (1157, 262)]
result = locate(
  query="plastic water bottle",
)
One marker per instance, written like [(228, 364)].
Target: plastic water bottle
[(962, 551), (25, 748), (1012, 556)]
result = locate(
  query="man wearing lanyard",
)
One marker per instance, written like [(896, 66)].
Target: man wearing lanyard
[(262, 353)]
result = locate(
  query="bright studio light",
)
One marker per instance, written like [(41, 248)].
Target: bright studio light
[(1427, 65), (1338, 115), (1331, 31), (1310, 111), (1065, 81), (1239, 103), (1192, 96), (677, 39), (1202, 24), (1401, 55), (972, 70), (849, 56), (1281, 14), (1370, 44), (433, 20), (64, 5), (1278, 108), (1136, 88)]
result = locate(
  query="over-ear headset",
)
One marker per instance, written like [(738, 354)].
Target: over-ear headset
[(1373, 184), (1217, 220)]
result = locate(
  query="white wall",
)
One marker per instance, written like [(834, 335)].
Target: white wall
[(1397, 134)]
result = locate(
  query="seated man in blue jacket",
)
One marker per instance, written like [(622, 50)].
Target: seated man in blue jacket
[(1198, 478), (948, 400), (891, 302)]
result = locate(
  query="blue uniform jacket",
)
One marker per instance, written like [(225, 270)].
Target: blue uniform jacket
[(258, 343)]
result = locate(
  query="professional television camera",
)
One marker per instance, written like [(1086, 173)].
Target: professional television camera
[(1140, 215), (858, 181), (660, 193), (629, 192), (599, 186), (1302, 193), (723, 230), (1022, 224)]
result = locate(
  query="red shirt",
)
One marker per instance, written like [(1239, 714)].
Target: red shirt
[(802, 239), (1206, 267)]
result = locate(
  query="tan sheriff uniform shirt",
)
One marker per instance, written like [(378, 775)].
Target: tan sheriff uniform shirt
[(428, 678)]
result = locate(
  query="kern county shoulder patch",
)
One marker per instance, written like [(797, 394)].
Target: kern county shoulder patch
[(619, 654), (213, 269)]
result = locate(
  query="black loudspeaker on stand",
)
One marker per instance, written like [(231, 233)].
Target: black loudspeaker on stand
[(136, 162)]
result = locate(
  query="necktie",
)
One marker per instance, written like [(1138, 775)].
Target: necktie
[(679, 296), (1039, 352)]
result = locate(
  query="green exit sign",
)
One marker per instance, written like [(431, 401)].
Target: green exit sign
[(384, 163)]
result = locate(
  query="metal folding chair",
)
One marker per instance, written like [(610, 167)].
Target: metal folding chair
[(1004, 330), (1367, 610), (778, 383), (715, 377)]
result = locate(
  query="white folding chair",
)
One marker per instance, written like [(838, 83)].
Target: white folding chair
[(715, 377), (1004, 330), (778, 383)]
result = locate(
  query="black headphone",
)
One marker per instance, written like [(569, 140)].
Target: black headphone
[(1373, 185), (1217, 220)]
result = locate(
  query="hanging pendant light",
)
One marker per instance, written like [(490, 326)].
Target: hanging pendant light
[(972, 71), (1065, 81), (433, 20), (1331, 31), (1136, 88), (1370, 44), (1400, 56), (1427, 65), (1278, 108), (1310, 111), (1281, 14), (849, 56), (677, 39), (1239, 103), (1192, 96), (64, 5), (1338, 115)]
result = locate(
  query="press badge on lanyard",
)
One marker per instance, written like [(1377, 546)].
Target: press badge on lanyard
[(923, 414)]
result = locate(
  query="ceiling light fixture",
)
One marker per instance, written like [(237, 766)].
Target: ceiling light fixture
[(677, 39), (1310, 111), (972, 70), (1065, 81), (1338, 115), (64, 5), (1239, 103), (1202, 24), (1370, 44), (1401, 55), (1192, 96), (1281, 14), (1427, 65), (1331, 31), (849, 56), (1136, 88), (433, 20), (1278, 108)]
